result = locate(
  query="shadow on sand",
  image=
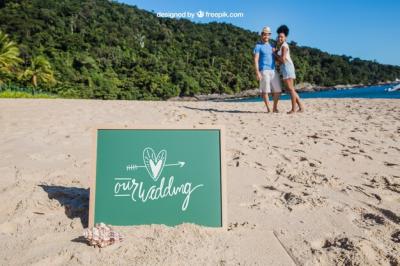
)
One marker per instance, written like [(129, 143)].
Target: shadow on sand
[(222, 111), (75, 201)]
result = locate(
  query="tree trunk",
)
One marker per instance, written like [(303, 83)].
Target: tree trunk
[(34, 81)]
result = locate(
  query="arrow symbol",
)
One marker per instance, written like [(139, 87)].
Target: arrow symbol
[(180, 164), (132, 167)]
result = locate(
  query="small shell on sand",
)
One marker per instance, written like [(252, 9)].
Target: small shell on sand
[(102, 235)]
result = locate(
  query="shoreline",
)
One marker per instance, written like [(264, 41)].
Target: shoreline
[(252, 93)]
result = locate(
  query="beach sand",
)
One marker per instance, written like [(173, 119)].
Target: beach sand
[(324, 184)]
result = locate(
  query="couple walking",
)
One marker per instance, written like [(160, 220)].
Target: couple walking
[(265, 57)]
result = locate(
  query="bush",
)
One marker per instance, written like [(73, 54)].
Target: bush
[(22, 94)]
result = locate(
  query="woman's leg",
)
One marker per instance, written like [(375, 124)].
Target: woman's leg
[(299, 103), (295, 98), (301, 106), (289, 86), (275, 98)]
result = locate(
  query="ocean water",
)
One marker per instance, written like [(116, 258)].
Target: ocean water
[(370, 92)]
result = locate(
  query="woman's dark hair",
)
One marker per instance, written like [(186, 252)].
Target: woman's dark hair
[(283, 29)]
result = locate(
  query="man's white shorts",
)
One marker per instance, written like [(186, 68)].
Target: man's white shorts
[(270, 80)]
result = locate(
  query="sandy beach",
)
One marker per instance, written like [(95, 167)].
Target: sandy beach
[(324, 184)]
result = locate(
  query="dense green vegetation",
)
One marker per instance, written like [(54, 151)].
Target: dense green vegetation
[(102, 49)]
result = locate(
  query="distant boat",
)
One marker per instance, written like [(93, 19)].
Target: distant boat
[(395, 88)]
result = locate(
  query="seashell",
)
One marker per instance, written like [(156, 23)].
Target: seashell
[(102, 235)]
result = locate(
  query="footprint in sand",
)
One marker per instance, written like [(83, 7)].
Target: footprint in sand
[(303, 174), (235, 158), (388, 214), (291, 200), (363, 191), (390, 183), (304, 162), (339, 242), (174, 116), (390, 164), (343, 250), (265, 195), (367, 218), (242, 225), (396, 236), (373, 219)]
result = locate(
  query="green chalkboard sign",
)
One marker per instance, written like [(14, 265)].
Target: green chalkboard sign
[(158, 176)]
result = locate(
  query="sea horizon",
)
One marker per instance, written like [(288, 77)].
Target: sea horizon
[(368, 92)]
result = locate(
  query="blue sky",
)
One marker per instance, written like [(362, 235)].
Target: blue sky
[(368, 29)]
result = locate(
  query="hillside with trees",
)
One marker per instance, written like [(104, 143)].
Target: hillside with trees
[(107, 50)]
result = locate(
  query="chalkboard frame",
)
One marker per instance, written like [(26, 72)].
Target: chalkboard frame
[(223, 180)]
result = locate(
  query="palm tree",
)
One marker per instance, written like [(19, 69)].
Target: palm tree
[(9, 55), (39, 72)]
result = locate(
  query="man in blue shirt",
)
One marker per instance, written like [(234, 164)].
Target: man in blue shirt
[(264, 63)]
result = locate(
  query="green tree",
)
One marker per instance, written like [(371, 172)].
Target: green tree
[(39, 72), (9, 56)]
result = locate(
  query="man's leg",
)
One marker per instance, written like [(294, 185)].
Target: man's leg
[(265, 88), (276, 90), (275, 97), (264, 95)]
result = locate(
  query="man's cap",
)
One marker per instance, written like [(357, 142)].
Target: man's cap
[(266, 30)]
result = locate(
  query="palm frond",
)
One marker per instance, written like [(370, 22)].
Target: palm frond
[(9, 53)]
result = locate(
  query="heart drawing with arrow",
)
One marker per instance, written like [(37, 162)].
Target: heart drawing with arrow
[(153, 163)]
